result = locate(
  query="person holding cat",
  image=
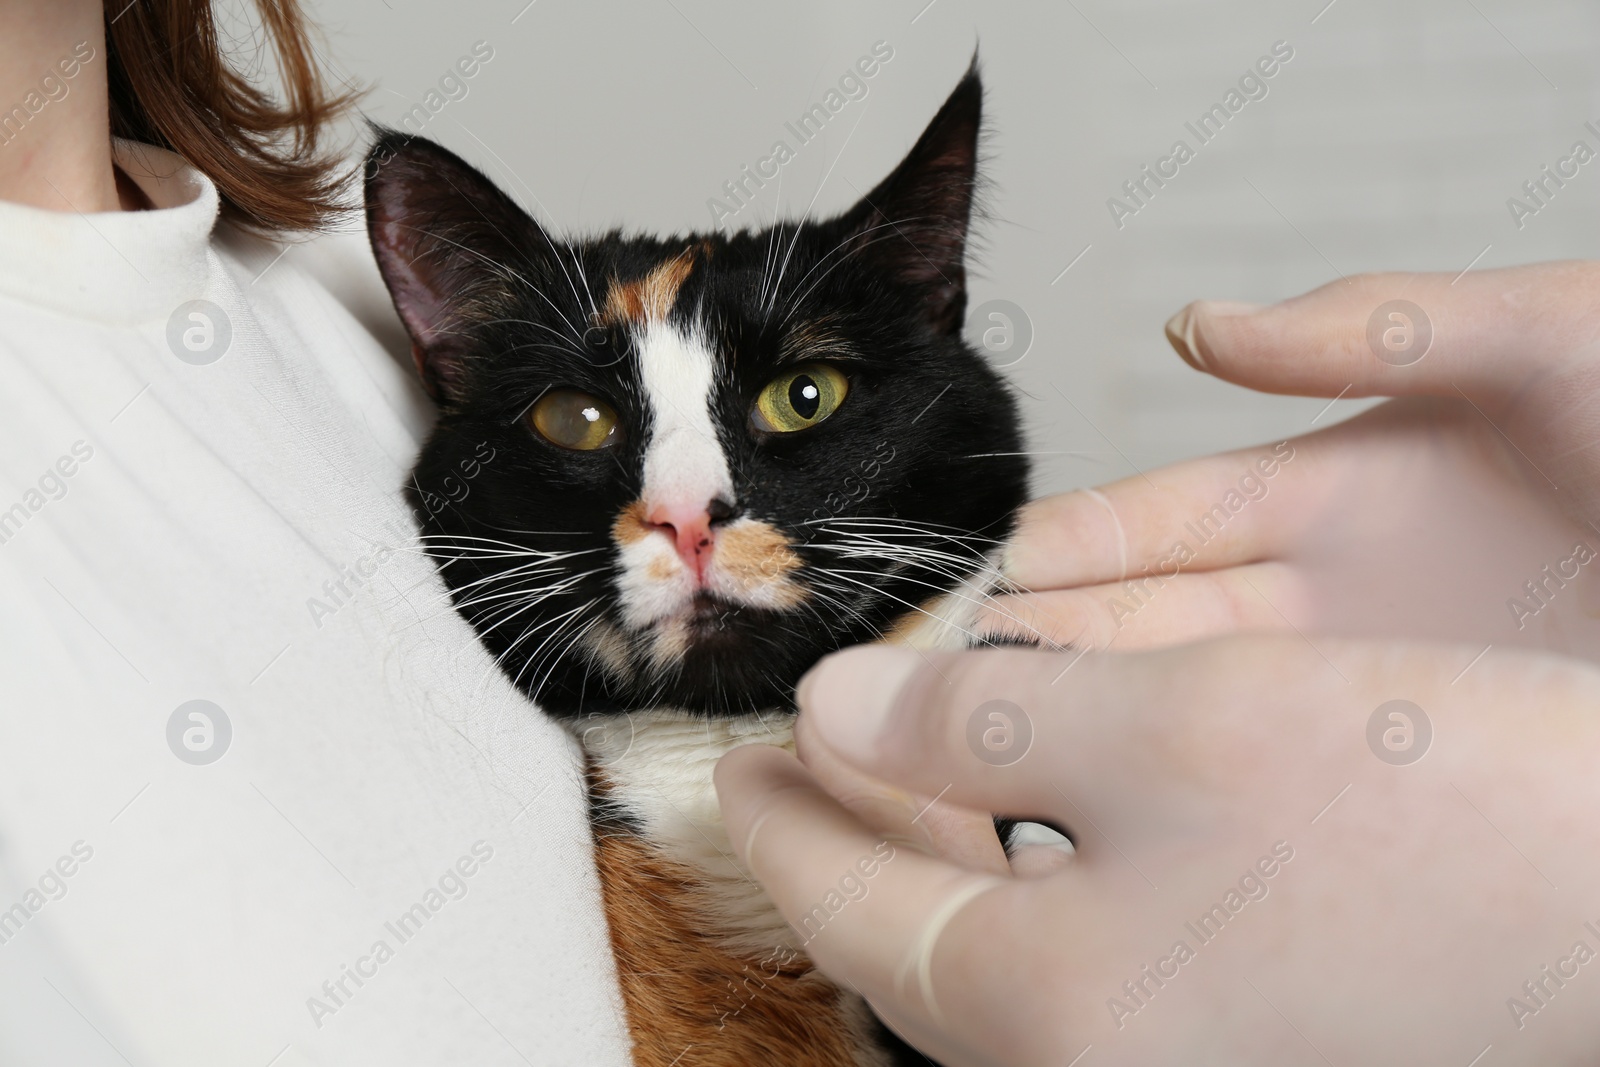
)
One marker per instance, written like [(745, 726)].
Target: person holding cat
[(1261, 875), (203, 434), (210, 516)]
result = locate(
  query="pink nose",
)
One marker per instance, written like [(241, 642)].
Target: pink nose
[(691, 528)]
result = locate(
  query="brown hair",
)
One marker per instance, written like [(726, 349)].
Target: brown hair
[(171, 86)]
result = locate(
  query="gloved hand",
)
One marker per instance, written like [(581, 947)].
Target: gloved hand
[(1432, 516)]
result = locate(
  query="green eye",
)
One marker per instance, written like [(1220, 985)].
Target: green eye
[(799, 399), (574, 419)]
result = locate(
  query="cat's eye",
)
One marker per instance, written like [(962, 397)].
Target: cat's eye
[(799, 398), (575, 419)]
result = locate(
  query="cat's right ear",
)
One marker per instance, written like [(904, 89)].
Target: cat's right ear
[(447, 241)]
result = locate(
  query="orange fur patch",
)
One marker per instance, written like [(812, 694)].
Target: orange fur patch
[(903, 626), (610, 649), (668, 642), (651, 297), (759, 556), (691, 1002), (631, 526)]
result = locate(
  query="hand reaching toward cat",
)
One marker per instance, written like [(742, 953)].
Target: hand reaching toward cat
[(1426, 517), (1261, 876), (1253, 883)]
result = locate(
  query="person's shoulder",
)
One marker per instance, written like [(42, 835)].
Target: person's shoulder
[(318, 299), (338, 261)]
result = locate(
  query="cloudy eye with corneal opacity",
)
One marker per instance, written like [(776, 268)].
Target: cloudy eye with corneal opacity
[(571, 418)]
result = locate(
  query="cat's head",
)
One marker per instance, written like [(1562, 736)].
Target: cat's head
[(676, 472)]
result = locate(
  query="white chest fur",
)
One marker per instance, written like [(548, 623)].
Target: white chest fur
[(659, 766)]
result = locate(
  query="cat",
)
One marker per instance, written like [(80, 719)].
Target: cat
[(717, 458)]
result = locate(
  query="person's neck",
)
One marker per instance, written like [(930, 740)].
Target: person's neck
[(55, 128)]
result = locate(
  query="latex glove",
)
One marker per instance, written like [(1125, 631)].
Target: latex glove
[(1380, 914), (1425, 517)]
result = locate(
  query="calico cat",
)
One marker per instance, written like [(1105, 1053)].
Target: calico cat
[(717, 458)]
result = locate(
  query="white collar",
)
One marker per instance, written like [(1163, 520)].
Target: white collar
[(117, 267)]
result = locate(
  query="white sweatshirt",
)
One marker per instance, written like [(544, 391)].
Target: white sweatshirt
[(389, 863)]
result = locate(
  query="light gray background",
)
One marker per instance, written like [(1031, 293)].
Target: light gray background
[(1391, 140)]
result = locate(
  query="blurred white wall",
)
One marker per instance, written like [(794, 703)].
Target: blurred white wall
[(1391, 140)]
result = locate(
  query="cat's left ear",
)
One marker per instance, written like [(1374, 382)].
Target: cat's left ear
[(914, 224)]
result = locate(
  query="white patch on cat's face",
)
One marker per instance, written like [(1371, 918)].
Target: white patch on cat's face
[(684, 465), (684, 462)]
